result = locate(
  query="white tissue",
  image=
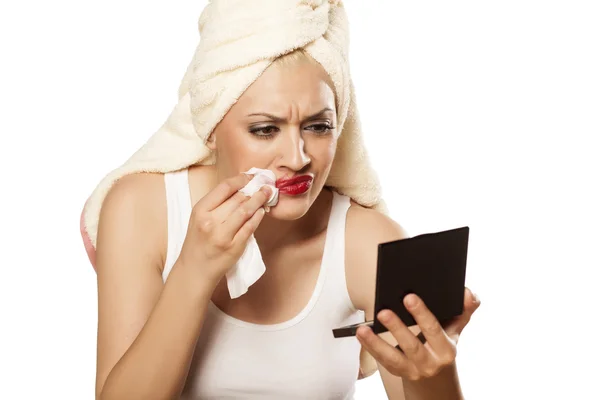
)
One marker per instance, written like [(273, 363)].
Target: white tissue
[(250, 267), (262, 177)]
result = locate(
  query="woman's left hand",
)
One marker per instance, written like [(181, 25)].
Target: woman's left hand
[(418, 361)]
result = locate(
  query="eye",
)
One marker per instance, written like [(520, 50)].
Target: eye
[(321, 128), (264, 132)]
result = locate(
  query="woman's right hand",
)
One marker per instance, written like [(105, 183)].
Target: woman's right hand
[(219, 228)]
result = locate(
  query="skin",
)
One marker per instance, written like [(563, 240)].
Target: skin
[(136, 339)]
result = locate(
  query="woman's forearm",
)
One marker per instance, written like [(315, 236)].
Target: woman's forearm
[(444, 386), (157, 363)]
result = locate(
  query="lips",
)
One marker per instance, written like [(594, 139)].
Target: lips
[(295, 185), (282, 183)]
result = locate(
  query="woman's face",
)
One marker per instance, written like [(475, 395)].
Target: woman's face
[(285, 122)]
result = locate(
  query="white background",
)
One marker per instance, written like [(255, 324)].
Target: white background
[(475, 113)]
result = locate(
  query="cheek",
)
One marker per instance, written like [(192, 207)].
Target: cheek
[(323, 152), (229, 150), (236, 150), (328, 150)]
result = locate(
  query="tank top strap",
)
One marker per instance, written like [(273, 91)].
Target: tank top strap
[(179, 209), (336, 289)]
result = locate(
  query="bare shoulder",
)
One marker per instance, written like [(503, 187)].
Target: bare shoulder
[(134, 214), (371, 222), (365, 229)]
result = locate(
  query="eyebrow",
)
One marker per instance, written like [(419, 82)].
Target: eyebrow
[(279, 119)]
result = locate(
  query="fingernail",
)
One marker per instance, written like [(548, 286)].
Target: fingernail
[(475, 298), (266, 190), (362, 332), (411, 301), (384, 316)]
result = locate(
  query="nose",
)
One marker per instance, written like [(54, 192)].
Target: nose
[(293, 151)]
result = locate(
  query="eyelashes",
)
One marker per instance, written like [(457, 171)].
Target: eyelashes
[(269, 131), (264, 132)]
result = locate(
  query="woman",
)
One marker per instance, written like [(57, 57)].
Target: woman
[(163, 241)]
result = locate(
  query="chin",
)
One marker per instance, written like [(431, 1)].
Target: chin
[(290, 208)]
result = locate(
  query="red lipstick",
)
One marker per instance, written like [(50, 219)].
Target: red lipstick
[(294, 186)]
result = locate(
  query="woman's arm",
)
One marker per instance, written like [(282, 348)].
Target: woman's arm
[(361, 270), (147, 331)]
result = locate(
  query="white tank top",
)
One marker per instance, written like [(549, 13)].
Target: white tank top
[(296, 359)]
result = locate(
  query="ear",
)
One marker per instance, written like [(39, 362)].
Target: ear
[(211, 142)]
